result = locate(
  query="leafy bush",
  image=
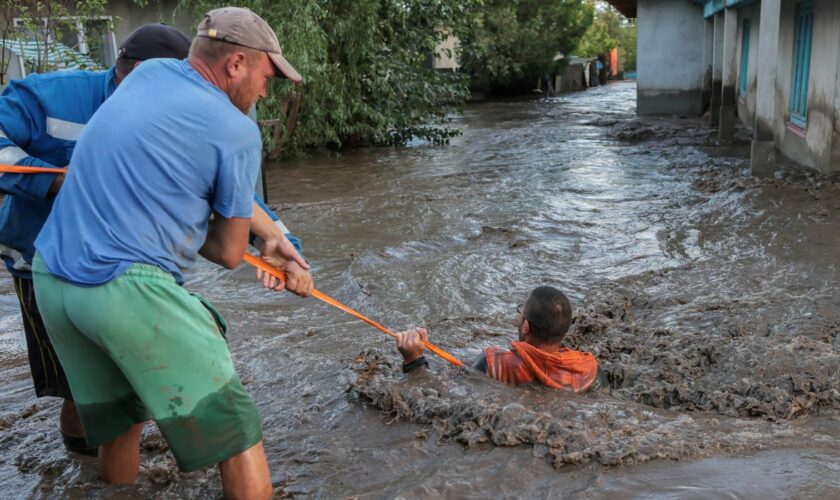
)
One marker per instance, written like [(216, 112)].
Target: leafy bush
[(508, 44), (609, 30), (364, 63)]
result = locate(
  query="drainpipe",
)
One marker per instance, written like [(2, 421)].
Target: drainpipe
[(708, 59), (717, 71), (730, 75), (763, 151)]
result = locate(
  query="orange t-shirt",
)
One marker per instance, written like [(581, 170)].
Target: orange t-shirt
[(565, 369)]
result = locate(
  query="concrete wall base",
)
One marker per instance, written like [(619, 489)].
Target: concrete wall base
[(763, 158), (728, 121), (670, 59), (673, 102)]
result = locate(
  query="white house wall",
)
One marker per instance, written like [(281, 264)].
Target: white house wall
[(670, 57), (813, 146), (835, 155)]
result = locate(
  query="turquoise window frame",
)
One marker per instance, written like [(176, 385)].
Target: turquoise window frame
[(803, 37), (745, 56)]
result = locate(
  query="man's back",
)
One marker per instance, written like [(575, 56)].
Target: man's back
[(41, 118), (146, 171)]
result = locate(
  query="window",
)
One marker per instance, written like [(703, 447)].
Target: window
[(801, 63), (745, 56)]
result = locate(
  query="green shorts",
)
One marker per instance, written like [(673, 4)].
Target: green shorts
[(142, 346)]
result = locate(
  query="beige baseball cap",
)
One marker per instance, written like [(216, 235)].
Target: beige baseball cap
[(241, 26)]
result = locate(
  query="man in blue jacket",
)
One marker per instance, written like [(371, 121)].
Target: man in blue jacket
[(41, 117)]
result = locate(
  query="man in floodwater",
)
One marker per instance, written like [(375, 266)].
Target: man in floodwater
[(129, 220), (537, 357), (41, 117)]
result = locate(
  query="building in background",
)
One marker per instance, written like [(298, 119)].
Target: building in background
[(82, 42), (772, 64), (445, 55)]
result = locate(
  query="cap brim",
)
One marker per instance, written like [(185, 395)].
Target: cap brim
[(284, 67)]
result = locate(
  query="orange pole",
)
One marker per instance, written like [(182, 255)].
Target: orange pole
[(261, 264), (21, 169)]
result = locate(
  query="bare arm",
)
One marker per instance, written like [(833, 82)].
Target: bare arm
[(262, 225), (226, 240), (279, 252)]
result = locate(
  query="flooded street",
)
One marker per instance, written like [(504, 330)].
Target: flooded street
[(709, 297)]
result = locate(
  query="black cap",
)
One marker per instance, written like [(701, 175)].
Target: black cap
[(155, 40)]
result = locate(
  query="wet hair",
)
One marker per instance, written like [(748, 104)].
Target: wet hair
[(549, 313), (211, 50)]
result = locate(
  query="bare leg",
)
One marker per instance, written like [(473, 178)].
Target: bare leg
[(119, 460), (69, 421), (246, 475)]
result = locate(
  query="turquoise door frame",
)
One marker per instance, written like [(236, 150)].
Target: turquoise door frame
[(745, 56), (801, 63)]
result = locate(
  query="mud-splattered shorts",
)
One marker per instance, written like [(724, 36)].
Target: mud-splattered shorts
[(141, 346)]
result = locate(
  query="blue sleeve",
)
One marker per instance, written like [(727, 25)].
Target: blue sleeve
[(21, 116), (294, 239), (233, 190), (262, 204), (296, 242)]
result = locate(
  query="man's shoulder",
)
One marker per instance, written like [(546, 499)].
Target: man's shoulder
[(161, 64), (75, 78), (223, 123), (156, 75), (237, 130), (68, 76), (61, 82)]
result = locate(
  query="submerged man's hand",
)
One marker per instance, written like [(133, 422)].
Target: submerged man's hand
[(410, 343)]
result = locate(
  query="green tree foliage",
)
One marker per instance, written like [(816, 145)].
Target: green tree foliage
[(627, 53), (365, 68), (48, 33), (365, 62), (507, 44), (609, 30)]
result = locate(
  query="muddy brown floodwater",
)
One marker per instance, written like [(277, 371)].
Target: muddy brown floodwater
[(709, 297)]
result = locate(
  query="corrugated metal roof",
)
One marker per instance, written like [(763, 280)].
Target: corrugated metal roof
[(626, 7), (59, 56)]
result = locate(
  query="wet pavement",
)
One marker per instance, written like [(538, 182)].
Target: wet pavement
[(709, 297)]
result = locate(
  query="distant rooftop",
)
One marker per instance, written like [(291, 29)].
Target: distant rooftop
[(626, 7), (710, 7)]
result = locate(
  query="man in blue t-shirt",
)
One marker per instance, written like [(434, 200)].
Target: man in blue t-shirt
[(175, 180), (41, 118)]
